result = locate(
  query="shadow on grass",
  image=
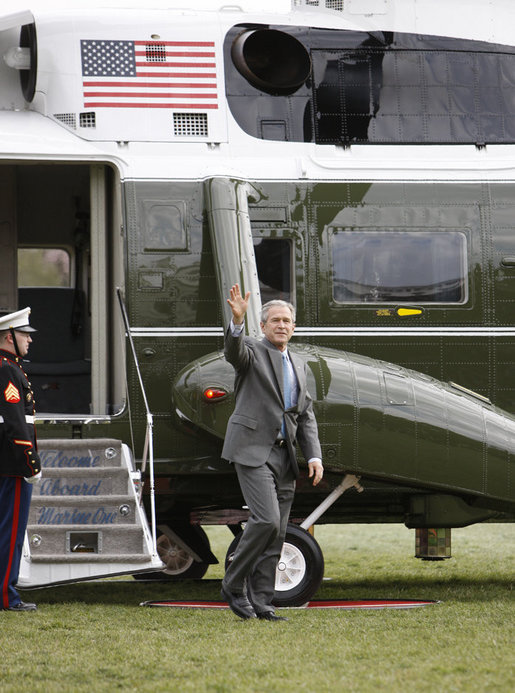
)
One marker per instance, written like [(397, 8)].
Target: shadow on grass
[(128, 592), (463, 589), (125, 591)]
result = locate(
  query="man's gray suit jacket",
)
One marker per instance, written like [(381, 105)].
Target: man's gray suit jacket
[(257, 418)]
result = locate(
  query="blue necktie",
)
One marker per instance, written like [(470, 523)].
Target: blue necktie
[(288, 386)]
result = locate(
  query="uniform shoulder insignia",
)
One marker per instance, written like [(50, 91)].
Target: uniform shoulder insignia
[(12, 394)]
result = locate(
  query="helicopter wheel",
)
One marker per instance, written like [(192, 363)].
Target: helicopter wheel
[(300, 569), (180, 565)]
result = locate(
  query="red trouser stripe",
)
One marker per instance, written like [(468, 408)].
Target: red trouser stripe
[(14, 534)]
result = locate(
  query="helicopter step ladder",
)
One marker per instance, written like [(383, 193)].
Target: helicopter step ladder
[(86, 520)]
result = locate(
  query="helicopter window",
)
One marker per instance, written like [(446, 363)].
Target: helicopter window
[(274, 266), (399, 266), (164, 225), (43, 267)]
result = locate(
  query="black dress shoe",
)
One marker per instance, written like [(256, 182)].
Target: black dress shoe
[(270, 616), (22, 606), (239, 604)]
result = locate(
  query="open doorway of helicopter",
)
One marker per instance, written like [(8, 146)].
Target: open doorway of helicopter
[(62, 255)]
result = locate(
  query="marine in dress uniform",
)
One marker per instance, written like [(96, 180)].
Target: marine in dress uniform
[(19, 460)]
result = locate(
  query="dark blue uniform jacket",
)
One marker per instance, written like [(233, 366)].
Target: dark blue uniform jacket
[(18, 447)]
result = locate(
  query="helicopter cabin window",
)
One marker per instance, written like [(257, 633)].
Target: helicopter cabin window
[(399, 266), (59, 369), (43, 267), (274, 266)]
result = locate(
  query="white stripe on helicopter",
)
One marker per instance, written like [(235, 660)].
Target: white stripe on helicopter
[(337, 331)]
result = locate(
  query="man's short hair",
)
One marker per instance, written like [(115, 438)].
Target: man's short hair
[(276, 302)]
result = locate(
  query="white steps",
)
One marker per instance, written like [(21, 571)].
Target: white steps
[(85, 520)]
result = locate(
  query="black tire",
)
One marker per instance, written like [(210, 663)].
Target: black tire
[(180, 565), (300, 569)]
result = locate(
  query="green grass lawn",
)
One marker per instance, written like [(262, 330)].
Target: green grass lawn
[(96, 637)]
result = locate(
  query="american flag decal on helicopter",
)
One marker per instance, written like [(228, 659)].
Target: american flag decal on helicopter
[(146, 74)]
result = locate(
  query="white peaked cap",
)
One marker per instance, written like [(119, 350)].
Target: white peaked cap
[(19, 321)]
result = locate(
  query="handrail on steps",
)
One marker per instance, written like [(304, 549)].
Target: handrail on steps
[(148, 448)]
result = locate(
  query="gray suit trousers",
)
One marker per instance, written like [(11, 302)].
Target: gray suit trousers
[(268, 491)]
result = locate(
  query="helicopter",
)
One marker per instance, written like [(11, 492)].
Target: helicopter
[(353, 158)]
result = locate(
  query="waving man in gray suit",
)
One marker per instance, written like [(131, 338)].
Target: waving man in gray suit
[(273, 411)]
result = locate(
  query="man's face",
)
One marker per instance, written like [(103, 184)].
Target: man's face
[(278, 327), (23, 340)]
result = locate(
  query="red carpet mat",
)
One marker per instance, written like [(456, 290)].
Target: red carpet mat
[(323, 604)]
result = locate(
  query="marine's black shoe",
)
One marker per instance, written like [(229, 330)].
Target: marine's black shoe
[(21, 606)]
